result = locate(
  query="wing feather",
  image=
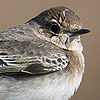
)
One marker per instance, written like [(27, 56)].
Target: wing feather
[(34, 56)]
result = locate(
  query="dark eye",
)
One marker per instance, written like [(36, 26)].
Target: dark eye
[(55, 28)]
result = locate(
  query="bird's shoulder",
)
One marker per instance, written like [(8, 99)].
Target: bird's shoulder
[(32, 55), (19, 32)]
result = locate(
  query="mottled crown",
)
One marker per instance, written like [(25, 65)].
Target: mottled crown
[(65, 17)]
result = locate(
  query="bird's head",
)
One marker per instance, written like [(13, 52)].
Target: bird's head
[(61, 26)]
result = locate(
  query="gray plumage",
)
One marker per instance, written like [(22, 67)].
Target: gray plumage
[(42, 59)]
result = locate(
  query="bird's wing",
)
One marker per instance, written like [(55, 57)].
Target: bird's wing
[(34, 56)]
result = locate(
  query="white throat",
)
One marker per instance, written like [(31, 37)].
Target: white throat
[(76, 45)]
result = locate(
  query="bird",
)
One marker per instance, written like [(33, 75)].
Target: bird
[(42, 59)]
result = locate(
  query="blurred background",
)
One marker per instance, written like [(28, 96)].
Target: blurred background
[(15, 12)]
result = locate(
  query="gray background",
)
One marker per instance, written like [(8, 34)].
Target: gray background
[(15, 12)]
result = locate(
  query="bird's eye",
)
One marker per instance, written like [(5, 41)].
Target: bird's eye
[(55, 28)]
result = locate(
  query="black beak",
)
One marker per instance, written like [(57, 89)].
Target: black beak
[(80, 32)]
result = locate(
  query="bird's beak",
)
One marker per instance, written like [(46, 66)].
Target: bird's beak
[(80, 32)]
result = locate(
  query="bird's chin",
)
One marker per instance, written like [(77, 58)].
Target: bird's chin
[(75, 45)]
